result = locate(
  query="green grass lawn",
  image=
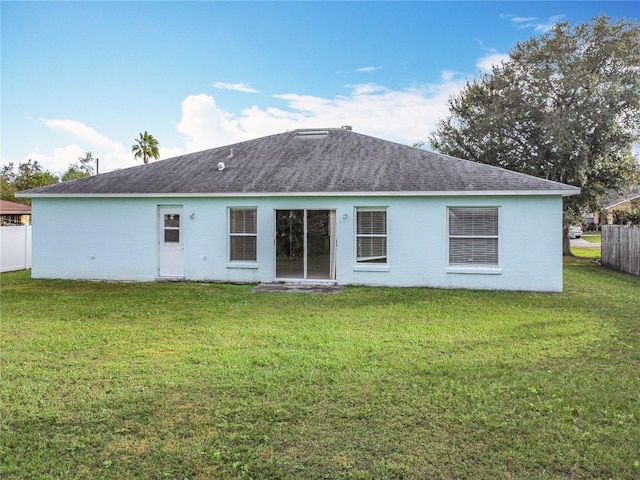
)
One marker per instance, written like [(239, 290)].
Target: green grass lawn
[(593, 253), (201, 381), (593, 237)]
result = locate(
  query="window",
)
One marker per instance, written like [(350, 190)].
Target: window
[(473, 236), (371, 235), (171, 228), (243, 234)]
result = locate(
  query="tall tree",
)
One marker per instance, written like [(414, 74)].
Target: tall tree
[(7, 179), (145, 147), (82, 169), (30, 175), (564, 106)]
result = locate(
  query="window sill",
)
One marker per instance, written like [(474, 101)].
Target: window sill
[(371, 268), (476, 270), (249, 265)]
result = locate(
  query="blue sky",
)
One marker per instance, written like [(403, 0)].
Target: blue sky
[(90, 76)]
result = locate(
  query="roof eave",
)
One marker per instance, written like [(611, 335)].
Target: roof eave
[(620, 202), (442, 193)]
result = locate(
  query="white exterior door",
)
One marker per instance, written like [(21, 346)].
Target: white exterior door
[(170, 242)]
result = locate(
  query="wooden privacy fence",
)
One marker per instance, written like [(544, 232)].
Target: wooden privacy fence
[(621, 248), (15, 248)]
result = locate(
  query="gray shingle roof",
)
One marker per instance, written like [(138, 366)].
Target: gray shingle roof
[(302, 161)]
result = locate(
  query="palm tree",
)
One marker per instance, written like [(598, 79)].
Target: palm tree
[(146, 147)]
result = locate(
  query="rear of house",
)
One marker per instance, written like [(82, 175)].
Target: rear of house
[(306, 206)]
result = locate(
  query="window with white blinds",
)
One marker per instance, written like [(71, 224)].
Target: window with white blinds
[(473, 236), (243, 234), (371, 235)]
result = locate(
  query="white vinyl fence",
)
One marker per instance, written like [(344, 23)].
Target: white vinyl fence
[(621, 248), (15, 248)]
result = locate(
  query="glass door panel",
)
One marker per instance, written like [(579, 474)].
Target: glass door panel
[(318, 245), (290, 244)]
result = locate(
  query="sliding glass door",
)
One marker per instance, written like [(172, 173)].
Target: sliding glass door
[(305, 247)]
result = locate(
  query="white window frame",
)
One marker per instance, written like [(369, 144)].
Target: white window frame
[(366, 264), (471, 266), (230, 235)]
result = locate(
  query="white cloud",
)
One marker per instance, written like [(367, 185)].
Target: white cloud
[(548, 24), (238, 87), (525, 20), (404, 116), (492, 58), (114, 160), (367, 89), (367, 69), (533, 22), (171, 152), (205, 125), (82, 131), (111, 153), (58, 161), (447, 75)]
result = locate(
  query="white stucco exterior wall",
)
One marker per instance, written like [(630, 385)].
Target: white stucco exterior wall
[(117, 239)]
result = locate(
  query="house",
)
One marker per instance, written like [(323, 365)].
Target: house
[(306, 206), (618, 209), (12, 213)]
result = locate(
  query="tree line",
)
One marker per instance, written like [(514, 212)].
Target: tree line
[(31, 174)]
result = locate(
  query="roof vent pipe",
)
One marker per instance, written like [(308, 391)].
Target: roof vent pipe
[(221, 165)]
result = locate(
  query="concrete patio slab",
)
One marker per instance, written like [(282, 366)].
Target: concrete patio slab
[(297, 288)]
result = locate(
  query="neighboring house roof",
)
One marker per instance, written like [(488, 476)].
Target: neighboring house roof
[(616, 199), (332, 161), (13, 208)]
